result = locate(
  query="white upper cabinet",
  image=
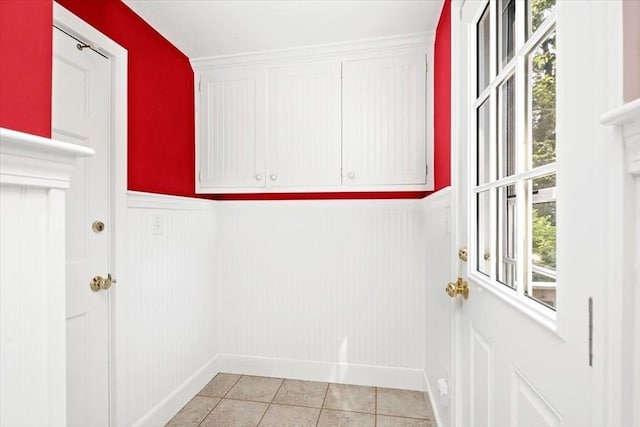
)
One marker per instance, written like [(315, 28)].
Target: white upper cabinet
[(384, 120), (346, 117), (304, 142), (230, 129)]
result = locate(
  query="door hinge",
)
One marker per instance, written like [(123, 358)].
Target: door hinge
[(199, 85), (426, 64), (199, 176), (590, 331), (426, 170)]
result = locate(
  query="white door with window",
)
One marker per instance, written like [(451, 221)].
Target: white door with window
[(81, 105), (524, 348)]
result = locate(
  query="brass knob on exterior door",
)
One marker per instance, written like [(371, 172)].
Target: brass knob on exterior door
[(99, 283), (460, 287)]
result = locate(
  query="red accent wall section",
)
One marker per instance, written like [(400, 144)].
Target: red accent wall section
[(161, 101), (442, 99), (25, 65)]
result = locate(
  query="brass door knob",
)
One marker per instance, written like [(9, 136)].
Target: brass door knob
[(99, 283), (460, 287)]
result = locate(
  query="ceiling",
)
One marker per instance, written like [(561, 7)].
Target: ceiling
[(203, 28)]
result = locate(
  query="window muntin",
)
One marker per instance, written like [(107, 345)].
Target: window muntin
[(513, 184), (483, 36)]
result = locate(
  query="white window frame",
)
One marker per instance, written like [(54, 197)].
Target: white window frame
[(523, 48)]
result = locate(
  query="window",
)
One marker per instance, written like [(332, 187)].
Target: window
[(514, 181)]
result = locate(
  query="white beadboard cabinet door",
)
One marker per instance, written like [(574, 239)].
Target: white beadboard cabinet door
[(384, 116), (231, 129), (304, 140)]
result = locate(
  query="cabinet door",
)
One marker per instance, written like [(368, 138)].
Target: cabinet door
[(304, 125), (231, 119), (384, 139)]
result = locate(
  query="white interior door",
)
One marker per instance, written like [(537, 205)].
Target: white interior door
[(81, 105), (524, 338)]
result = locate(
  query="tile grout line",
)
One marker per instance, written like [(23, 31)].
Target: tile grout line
[(221, 398), (375, 409), (322, 404), (271, 401)]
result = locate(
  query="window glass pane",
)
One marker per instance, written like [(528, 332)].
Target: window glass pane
[(506, 236), (537, 12), (542, 87), (507, 30), (483, 31), (482, 163), (542, 248), (483, 232), (507, 121)]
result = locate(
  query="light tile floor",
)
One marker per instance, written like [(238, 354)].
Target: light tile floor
[(231, 400)]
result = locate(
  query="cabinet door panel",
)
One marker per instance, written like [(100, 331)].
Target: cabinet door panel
[(304, 125), (231, 129), (384, 139)]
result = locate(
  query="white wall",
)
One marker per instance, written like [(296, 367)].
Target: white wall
[(437, 242), (165, 317), (327, 290)]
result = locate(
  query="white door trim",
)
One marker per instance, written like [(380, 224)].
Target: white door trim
[(458, 160), (67, 21)]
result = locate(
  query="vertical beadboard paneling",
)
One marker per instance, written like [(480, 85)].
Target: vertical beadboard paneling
[(304, 125), (165, 302), (231, 123), (383, 124), (31, 306), (325, 281)]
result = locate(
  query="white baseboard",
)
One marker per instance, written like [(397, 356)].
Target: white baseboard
[(430, 399), (160, 414), (375, 376)]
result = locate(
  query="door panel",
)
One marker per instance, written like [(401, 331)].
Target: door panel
[(231, 128), (81, 101), (384, 135), (520, 362), (304, 125)]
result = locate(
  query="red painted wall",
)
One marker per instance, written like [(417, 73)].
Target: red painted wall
[(161, 111), (442, 99), (25, 65)]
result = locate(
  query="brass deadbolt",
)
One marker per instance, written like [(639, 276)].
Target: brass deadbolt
[(460, 287), (462, 253), (97, 226)]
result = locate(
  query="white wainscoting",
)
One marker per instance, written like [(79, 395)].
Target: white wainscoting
[(438, 355), (165, 307), (326, 290), (34, 174)]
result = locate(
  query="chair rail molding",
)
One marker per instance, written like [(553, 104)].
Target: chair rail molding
[(627, 117), (34, 161)]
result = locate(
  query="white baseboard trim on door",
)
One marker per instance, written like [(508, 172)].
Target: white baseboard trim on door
[(344, 373), (160, 414), (430, 398)]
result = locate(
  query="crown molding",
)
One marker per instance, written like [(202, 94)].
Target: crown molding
[(364, 47)]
